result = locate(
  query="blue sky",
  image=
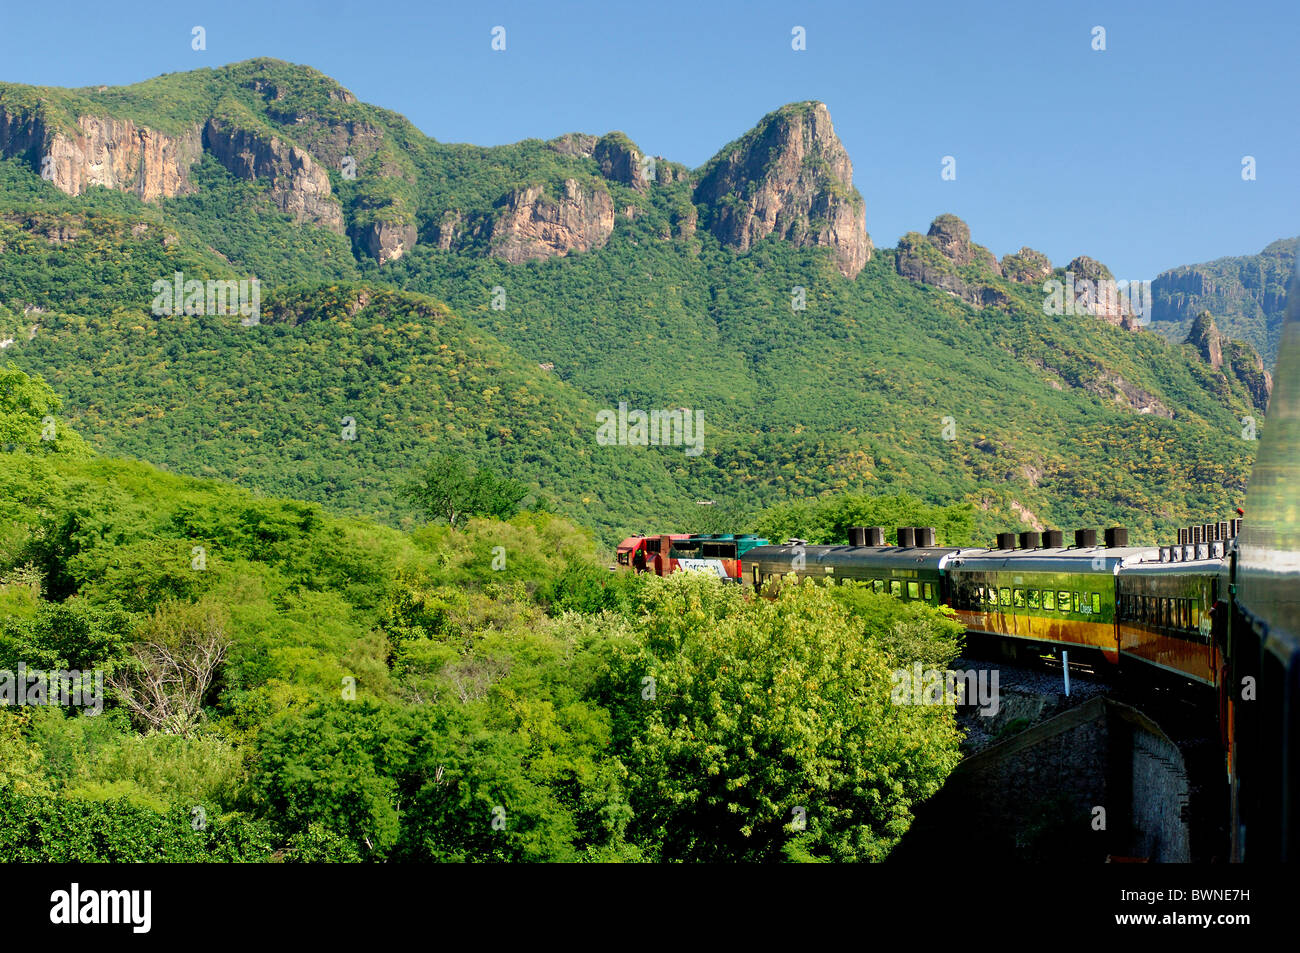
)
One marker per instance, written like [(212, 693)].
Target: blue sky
[(1132, 155)]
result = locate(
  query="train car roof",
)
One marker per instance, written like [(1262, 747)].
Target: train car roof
[(1186, 567), (1071, 559), (900, 556)]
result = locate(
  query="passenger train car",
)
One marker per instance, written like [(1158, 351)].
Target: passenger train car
[(1219, 611)]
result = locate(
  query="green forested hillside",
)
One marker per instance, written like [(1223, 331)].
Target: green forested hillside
[(1246, 295), (876, 384)]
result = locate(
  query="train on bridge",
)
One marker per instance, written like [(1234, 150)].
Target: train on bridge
[(1218, 611)]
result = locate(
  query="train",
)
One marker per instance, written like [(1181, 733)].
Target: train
[(1218, 611)]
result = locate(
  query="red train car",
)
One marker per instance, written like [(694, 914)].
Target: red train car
[(649, 553)]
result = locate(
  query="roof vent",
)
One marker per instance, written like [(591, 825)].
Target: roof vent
[(1085, 538), (1053, 538), (925, 537), (875, 535), (1029, 540), (1116, 537), (1006, 540), (857, 536), (906, 536)]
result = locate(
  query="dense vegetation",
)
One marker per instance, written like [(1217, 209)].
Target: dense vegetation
[(482, 692)]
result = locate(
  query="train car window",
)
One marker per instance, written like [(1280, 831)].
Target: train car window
[(1164, 612), (878, 585), (914, 590), (1018, 598), (1185, 611), (928, 589), (1004, 596), (1033, 599), (1196, 617), (757, 577), (1096, 602), (1049, 599), (895, 587), (1063, 601), (980, 591), (993, 596)]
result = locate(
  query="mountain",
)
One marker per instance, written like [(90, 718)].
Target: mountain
[(499, 300), (1246, 295)]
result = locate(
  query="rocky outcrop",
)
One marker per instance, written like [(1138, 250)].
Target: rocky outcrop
[(532, 225), (1116, 388), (1248, 367), (447, 231), (388, 241), (299, 186), (791, 177), (1096, 292), (114, 153), (947, 259), (1027, 267), (951, 236), (574, 144), (1233, 359), (1246, 294), (619, 160), (1207, 340)]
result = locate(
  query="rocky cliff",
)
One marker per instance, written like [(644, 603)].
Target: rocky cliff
[(114, 153), (790, 177), (1097, 293), (1234, 359), (119, 154), (299, 186), (946, 258), (1247, 295), (620, 160), (533, 225)]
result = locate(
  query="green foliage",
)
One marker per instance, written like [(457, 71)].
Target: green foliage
[(394, 697), (449, 488), (827, 520), (759, 729), (28, 416), (72, 830)]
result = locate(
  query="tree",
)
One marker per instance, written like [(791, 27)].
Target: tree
[(171, 669), (451, 489), (757, 729)]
